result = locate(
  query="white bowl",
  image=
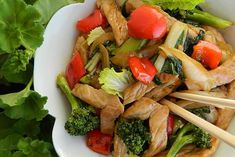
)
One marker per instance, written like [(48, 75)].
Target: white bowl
[(53, 55)]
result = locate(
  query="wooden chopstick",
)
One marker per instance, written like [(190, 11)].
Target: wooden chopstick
[(201, 123), (215, 101)]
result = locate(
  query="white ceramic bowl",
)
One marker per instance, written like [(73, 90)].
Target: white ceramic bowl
[(53, 55)]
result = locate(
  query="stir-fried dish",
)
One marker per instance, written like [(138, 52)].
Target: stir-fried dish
[(128, 56)]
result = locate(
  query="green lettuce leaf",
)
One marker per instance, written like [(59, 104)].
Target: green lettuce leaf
[(48, 7), (94, 34), (9, 144), (19, 25), (175, 4), (16, 68), (34, 148), (26, 104), (115, 82)]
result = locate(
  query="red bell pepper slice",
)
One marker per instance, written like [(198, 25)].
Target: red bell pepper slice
[(142, 69), (75, 70), (99, 142), (147, 23), (92, 21), (170, 125), (207, 53)]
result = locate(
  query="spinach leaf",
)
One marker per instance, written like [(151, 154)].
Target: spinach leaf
[(190, 42), (173, 66)]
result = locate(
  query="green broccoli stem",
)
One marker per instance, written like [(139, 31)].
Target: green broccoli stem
[(62, 83), (179, 143), (181, 140), (205, 18)]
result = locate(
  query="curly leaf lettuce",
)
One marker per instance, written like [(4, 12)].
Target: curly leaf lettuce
[(15, 145), (26, 104), (115, 82), (19, 25), (94, 34), (175, 4)]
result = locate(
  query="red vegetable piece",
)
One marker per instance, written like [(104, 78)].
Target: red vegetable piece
[(142, 69), (75, 70), (92, 21), (207, 53), (147, 23), (170, 125), (99, 142)]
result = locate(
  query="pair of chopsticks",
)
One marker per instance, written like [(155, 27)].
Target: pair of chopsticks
[(203, 124), (214, 101)]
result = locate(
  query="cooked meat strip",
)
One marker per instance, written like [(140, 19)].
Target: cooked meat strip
[(115, 19), (136, 91), (108, 116), (120, 149), (82, 47), (225, 73), (111, 106), (141, 109), (163, 90), (94, 97), (158, 129)]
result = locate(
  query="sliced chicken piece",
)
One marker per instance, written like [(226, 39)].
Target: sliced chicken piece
[(163, 90), (214, 33), (136, 91), (94, 97), (141, 109), (115, 19), (111, 106), (108, 116), (120, 149), (225, 73), (158, 129)]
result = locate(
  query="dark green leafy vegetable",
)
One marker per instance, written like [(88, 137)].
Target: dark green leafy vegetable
[(197, 17), (157, 80), (201, 111), (205, 18), (173, 66), (190, 134), (190, 42), (134, 133), (82, 118)]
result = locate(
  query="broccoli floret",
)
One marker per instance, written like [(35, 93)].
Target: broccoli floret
[(134, 133), (190, 134), (83, 118)]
